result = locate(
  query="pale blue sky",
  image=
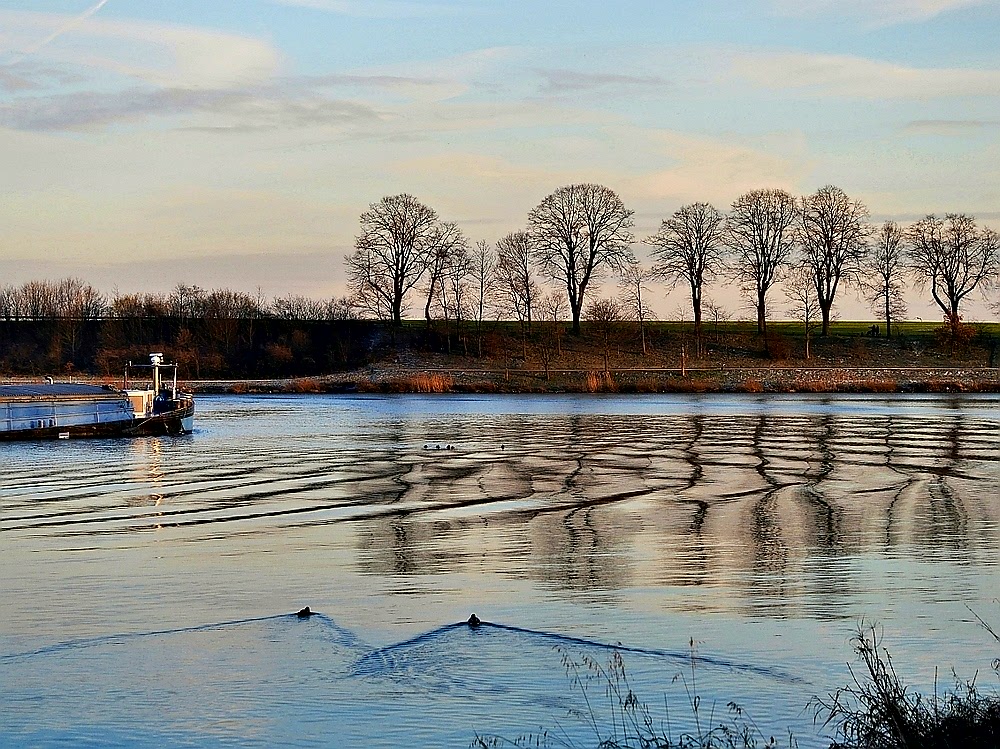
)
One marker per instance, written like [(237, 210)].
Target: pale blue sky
[(235, 142)]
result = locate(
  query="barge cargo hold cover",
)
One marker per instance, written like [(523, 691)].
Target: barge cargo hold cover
[(42, 411)]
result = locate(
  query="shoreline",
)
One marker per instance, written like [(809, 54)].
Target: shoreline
[(821, 379)]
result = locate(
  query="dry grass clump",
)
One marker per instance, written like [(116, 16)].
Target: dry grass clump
[(750, 386), (424, 383), (366, 385), (871, 385), (304, 385), (600, 382), (417, 383)]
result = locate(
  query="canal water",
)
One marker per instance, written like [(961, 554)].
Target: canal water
[(726, 548)]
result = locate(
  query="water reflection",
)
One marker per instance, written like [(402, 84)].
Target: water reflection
[(584, 503), (589, 505)]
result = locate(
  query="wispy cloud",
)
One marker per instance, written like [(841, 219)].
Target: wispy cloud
[(718, 169), (876, 13), (563, 81), (259, 109), (845, 76), (375, 8), (163, 54), (954, 128)]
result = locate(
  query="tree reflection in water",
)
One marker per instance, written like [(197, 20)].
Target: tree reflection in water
[(589, 504)]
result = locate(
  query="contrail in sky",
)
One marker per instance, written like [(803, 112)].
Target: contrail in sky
[(68, 26)]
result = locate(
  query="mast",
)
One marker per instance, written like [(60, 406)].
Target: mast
[(156, 360)]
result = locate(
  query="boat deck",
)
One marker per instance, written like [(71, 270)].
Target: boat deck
[(57, 391)]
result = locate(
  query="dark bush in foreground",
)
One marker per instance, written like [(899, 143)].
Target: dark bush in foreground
[(878, 711)]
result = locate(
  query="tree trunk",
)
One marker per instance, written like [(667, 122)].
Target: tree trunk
[(825, 311), (888, 316), (761, 312), (696, 305)]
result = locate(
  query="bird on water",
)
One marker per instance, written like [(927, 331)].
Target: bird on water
[(304, 613), (474, 621)]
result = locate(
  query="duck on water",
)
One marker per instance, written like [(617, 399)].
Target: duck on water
[(68, 410)]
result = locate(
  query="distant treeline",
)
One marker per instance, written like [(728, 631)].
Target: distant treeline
[(65, 326)]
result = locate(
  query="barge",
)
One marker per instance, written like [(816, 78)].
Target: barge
[(66, 410)]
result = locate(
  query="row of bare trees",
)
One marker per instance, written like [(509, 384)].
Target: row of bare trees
[(574, 240), (819, 243), (73, 299), (575, 237)]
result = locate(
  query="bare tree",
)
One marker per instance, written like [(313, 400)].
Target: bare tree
[(760, 231), (454, 294), (187, 302), (399, 237), (578, 231), (483, 264), (634, 280), (884, 274), (38, 300), (553, 306), (955, 257), (341, 308), (297, 307), (448, 241), (10, 303), (690, 248), (716, 313), (455, 284), (229, 317), (138, 306), (834, 239), (800, 287), (605, 314), (516, 288), (76, 303)]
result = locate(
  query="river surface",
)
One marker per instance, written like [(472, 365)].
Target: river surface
[(728, 546)]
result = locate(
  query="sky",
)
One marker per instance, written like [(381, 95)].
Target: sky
[(234, 143)]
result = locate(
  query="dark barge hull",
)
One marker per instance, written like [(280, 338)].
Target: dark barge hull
[(170, 424)]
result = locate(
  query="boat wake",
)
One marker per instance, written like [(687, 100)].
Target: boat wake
[(408, 657)]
